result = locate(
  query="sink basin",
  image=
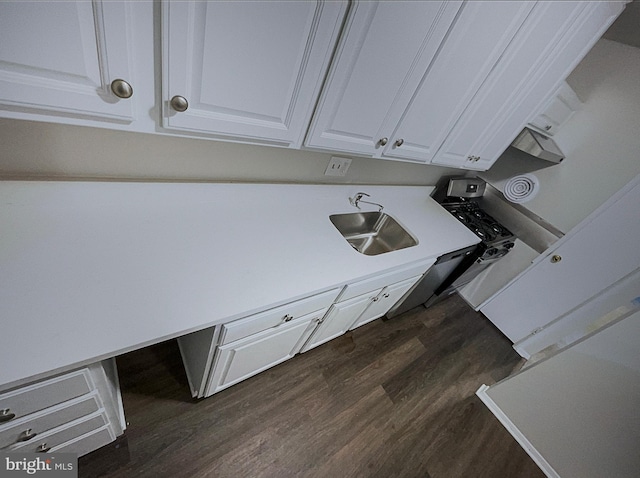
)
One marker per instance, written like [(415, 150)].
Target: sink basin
[(372, 233)]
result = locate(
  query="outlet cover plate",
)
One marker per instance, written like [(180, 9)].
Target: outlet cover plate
[(338, 166)]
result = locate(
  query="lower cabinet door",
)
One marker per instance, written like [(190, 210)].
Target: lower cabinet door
[(243, 358), (339, 319), (384, 301)]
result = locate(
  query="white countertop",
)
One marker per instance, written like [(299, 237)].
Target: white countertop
[(89, 270)]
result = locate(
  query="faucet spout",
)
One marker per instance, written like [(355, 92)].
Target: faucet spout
[(357, 199)]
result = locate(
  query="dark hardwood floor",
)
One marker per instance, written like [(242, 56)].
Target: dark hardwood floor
[(391, 399)]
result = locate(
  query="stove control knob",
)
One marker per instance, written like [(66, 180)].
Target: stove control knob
[(509, 245), (492, 251)]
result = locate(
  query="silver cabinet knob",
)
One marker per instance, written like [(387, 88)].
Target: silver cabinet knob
[(287, 318), (121, 89), (27, 435), (375, 299), (399, 142), (6, 415), (383, 141), (556, 258), (179, 103), (43, 448)]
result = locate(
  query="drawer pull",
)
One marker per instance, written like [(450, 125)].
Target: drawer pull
[(27, 435), (287, 318), (385, 296), (43, 448), (6, 415)]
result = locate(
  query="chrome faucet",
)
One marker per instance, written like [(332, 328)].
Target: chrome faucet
[(357, 199)]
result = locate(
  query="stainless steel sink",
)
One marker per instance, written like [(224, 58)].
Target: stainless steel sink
[(372, 233)]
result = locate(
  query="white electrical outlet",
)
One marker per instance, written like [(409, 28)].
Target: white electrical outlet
[(337, 166)]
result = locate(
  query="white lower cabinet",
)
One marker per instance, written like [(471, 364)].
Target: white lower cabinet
[(356, 311), (221, 356), (246, 357), (381, 304), (339, 319), (76, 412)]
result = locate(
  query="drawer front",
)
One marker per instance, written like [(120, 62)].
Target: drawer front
[(45, 420), (45, 394), (87, 443), (64, 433), (274, 317), (383, 280)]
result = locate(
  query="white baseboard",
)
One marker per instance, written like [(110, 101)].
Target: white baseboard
[(535, 455)]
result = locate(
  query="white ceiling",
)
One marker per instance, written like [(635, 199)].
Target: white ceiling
[(626, 29)]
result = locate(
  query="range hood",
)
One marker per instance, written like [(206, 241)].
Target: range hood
[(538, 145)]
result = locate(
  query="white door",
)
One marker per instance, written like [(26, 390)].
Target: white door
[(247, 70), (555, 37), (595, 254), (476, 42), (384, 301), (60, 58), (385, 49), (339, 319)]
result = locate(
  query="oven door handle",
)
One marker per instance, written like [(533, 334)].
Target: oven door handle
[(461, 268)]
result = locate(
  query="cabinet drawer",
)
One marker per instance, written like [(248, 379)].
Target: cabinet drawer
[(378, 282), (48, 419), (47, 393), (87, 443), (64, 433), (274, 317)]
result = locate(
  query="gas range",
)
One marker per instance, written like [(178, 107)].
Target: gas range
[(497, 240)]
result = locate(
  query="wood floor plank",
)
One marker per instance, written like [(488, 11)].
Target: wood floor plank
[(393, 398)]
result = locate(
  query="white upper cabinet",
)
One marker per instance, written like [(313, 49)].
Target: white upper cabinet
[(554, 38), (246, 70), (446, 83), (383, 53), (61, 58), (560, 108), (480, 35)]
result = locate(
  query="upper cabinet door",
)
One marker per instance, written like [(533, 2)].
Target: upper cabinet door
[(384, 51), (60, 58), (246, 70), (480, 35), (555, 37)]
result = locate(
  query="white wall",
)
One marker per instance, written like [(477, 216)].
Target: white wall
[(601, 141), (579, 408), (34, 150)]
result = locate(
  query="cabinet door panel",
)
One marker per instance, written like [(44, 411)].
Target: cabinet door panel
[(60, 58), (386, 299), (247, 69), (339, 319), (242, 359), (555, 38), (476, 41), (384, 51)]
